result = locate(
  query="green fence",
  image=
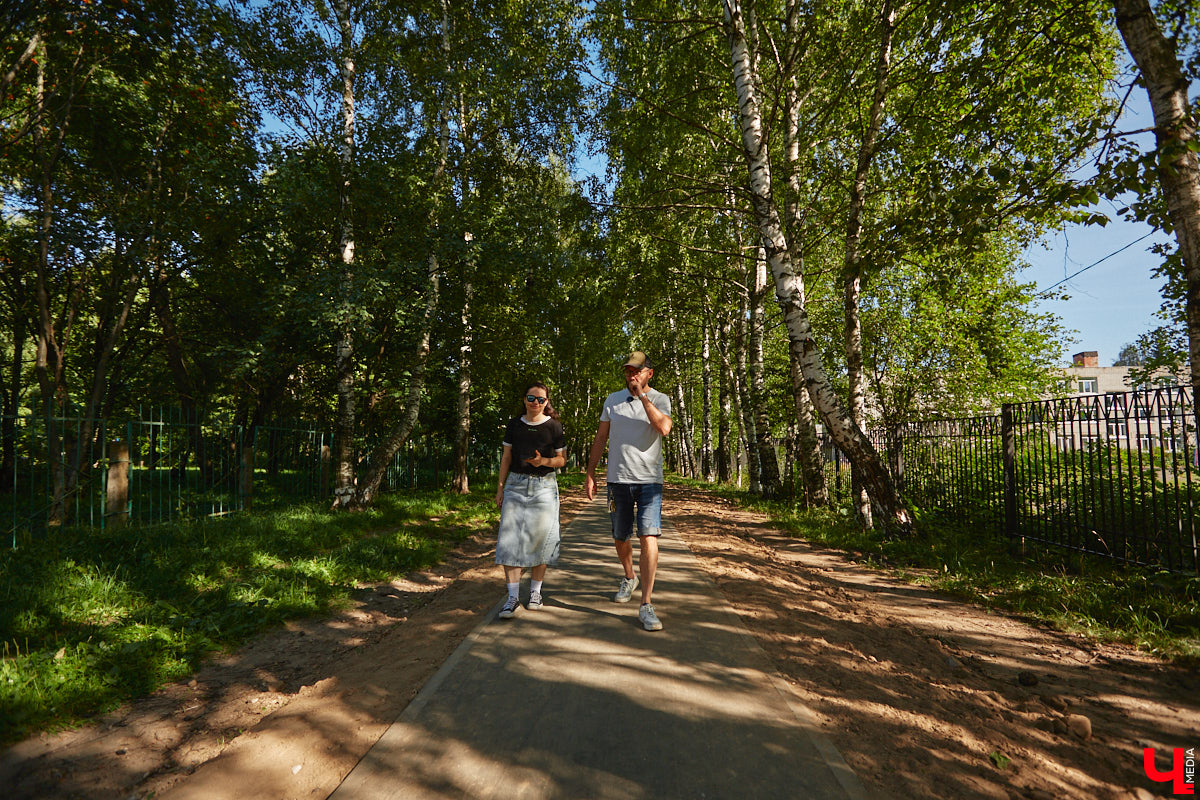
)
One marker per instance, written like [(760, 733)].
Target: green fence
[(162, 466)]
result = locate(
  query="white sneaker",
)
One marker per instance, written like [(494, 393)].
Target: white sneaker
[(535, 601), (625, 591), (649, 619), (511, 606)]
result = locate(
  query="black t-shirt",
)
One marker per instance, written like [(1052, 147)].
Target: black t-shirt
[(528, 441)]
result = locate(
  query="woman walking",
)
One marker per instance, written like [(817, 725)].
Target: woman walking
[(527, 495)]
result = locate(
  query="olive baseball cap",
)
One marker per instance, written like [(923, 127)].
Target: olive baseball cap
[(639, 360)]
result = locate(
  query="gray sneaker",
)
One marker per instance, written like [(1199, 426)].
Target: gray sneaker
[(511, 606), (535, 601), (626, 590), (649, 619)]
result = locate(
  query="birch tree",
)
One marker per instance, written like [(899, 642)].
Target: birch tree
[(961, 129), (402, 428), (789, 289), (345, 461), (1175, 125), (852, 265), (305, 60), (514, 81)]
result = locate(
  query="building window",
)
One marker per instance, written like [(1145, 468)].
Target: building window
[(1167, 381), (1118, 429), (1087, 386)]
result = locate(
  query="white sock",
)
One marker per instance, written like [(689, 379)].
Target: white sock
[(514, 589), (535, 587)]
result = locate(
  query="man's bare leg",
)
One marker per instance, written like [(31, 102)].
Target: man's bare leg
[(625, 556), (648, 564)]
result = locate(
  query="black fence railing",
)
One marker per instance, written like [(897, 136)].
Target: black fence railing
[(1112, 475), (163, 466)]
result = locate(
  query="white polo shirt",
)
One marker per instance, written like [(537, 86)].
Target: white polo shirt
[(634, 447)]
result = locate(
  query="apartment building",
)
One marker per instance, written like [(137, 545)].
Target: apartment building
[(1103, 405), (1086, 376)]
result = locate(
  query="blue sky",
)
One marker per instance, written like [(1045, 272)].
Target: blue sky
[(1113, 302), (1110, 304)]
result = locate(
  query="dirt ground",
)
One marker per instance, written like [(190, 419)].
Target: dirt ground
[(925, 697)]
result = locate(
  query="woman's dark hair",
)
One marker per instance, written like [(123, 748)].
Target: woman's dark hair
[(549, 409)]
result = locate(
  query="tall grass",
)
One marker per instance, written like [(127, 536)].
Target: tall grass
[(1156, 611), (91, 618)]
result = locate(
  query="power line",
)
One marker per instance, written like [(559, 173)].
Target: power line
[(1048, 289)]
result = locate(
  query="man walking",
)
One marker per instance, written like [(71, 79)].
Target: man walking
[(632, 425)]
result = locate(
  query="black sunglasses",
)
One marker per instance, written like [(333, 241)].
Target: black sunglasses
[(533, 398)]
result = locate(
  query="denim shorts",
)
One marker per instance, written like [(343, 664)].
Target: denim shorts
[(626, 498)]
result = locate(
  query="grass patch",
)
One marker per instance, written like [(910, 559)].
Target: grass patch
[(89, 618), (1158, 612)]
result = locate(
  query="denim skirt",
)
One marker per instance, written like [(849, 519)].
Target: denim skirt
[(528, 533)]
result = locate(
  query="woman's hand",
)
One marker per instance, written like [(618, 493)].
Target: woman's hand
[(500, 495)]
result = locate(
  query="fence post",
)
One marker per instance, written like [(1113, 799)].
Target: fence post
[(117, 494), (249, 443), (896, 451), (1009, 439)]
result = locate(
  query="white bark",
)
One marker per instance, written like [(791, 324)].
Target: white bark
[(852, 266), (1174, 131), (706, 437), (741, 393), (462, 442), (789, 289), (768, 460), (403, 429), (811, 463), (344, 359)]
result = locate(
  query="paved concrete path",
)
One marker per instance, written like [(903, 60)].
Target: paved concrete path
[(577, 701)]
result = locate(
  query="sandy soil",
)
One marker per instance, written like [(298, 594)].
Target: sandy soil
[(926, 697)]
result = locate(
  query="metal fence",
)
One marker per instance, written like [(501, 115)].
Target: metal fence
[(1113, 475), (162, 466)]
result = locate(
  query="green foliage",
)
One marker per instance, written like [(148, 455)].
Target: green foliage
[(947, 341), (1161, 353), (91, 618)]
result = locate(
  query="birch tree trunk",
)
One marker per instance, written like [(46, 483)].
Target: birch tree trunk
[(743, 444), (789, 288), (852, 266), (769, 482), (808, 455), (403, 429), (680, 413), (808, 450), (1175, 135), (706, 436), (725, 446), (344, 467), (683, 415), (741, 395), (462, 441)]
